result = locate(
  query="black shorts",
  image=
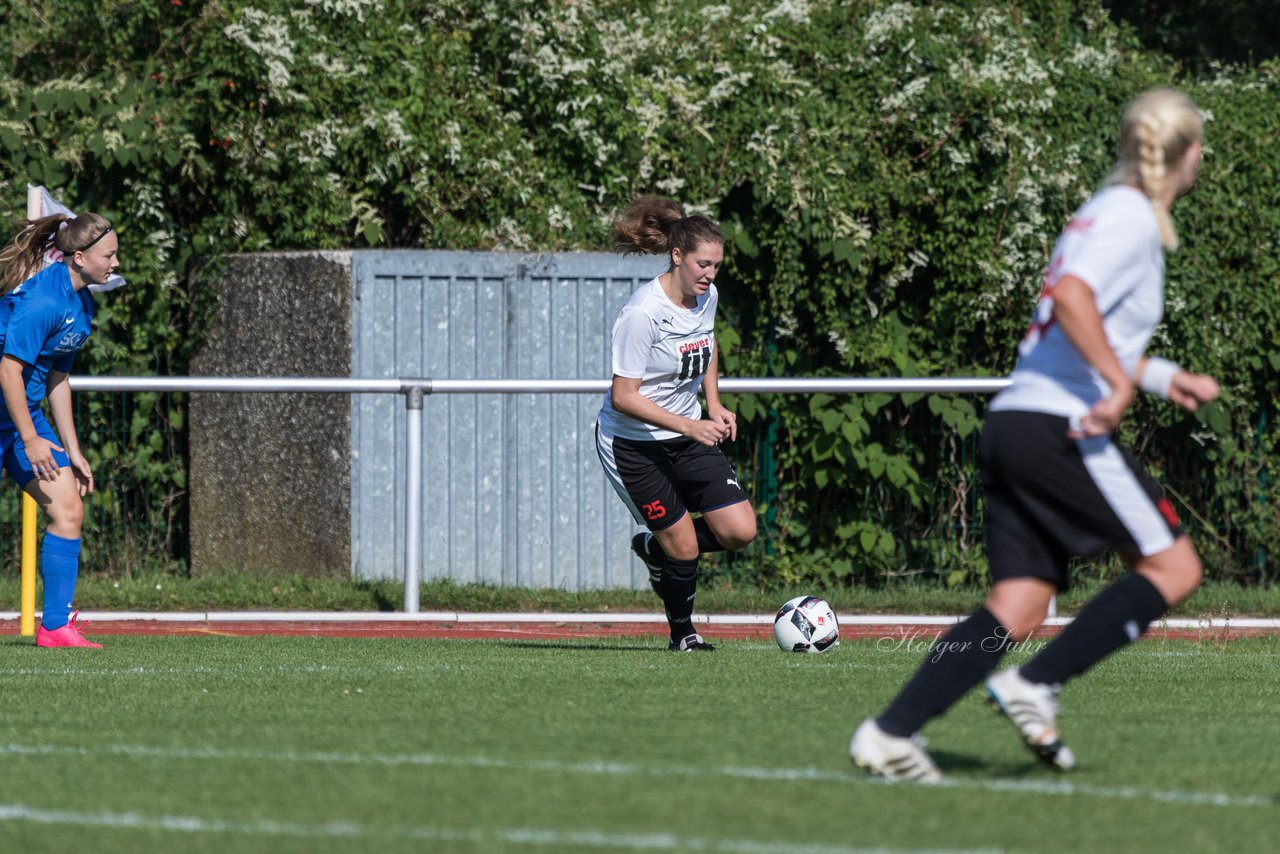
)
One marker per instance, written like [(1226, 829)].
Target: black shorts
[(661, 481), (1050, 498)]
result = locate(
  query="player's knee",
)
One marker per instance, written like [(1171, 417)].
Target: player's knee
[(1194, 573), (1020, 606), (1185, 577), (66, 511), (740, 535), (1027, 626), (1176, 572), (681, 549), (1020, 623)]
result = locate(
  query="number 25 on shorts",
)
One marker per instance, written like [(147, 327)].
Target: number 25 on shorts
[(653, 510)]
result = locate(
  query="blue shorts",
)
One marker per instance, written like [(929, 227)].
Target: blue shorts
[(15, 454)]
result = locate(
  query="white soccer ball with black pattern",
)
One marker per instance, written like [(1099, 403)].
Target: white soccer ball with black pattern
[(806, 624)]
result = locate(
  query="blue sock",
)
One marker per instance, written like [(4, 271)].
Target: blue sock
[(59, 565)]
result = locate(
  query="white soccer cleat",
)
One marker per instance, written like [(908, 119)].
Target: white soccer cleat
[(892, 757), (1033, 709)]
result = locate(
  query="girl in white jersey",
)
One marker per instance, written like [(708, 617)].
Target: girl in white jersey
[(1056, 481), (661, 456)]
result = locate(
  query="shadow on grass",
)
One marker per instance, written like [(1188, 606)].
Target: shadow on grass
[(385, 595), (948, 761), (584, 646)]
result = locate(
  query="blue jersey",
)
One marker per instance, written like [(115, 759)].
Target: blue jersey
[(43, 323)]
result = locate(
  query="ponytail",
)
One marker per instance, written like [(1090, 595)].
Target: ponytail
[(22, 258), (1153, 172), (1156, 131), (25, 255), (655, 226)]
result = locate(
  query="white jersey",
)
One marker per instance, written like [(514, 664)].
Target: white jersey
[(668, 348), (1113, 245)]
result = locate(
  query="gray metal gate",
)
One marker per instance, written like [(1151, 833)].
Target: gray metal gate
[(512, 490)]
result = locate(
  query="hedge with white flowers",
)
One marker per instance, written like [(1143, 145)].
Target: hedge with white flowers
[(891, 176)]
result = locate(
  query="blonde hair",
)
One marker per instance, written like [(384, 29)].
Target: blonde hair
[(1156, 130), (654, 225), (21, 259)]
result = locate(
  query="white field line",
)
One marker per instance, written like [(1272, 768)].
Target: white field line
[(889, 620), (1143, 650), (1051, 788), (423, 833)]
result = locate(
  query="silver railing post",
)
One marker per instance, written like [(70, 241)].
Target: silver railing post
[(413, 394)]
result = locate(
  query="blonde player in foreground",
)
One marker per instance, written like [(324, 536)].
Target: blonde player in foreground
[(1057, 482)]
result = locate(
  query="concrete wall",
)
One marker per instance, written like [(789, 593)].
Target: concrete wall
[(270, 474)]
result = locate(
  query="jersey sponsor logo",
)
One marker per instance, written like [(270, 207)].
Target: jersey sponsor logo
[(70, 343), (1080, 225), (695, 345), (653, 510), (694, 361)]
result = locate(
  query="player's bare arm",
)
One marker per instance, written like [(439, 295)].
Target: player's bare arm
[(1076, 312)]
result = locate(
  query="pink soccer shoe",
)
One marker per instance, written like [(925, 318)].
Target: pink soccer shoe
[(68, 635)]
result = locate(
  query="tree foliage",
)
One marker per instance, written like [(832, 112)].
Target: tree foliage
[(891, 175), (1204, 33)]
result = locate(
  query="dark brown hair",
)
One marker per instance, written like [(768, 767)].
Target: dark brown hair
[(655, 226), (22, 257)]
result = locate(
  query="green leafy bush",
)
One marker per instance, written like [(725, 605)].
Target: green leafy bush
[(891, 176)]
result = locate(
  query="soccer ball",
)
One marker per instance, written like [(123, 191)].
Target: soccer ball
[(806, 624)]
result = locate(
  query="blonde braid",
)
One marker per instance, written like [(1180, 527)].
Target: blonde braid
[(1152, 173)]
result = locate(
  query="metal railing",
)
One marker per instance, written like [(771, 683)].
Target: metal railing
[(415, 389)]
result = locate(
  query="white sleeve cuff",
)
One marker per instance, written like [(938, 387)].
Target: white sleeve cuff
[(1157, 376)]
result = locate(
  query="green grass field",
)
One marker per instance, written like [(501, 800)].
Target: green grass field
[(316, 745)]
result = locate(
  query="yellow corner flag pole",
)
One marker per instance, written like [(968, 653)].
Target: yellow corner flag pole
[(27, 623)]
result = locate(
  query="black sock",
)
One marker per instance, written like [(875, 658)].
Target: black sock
[(955, 663), (707, 541), (679, 585), (1115, 617)]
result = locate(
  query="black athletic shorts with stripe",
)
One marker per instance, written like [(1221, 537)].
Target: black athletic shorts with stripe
[(1050, 497), (662, 480)]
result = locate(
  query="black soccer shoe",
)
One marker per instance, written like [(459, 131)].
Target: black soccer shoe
[(690, 643)]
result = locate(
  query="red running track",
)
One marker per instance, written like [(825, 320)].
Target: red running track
[(551, 630)]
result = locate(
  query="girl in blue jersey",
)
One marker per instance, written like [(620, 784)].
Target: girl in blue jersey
[(44, 321), (1056, 481), (660, 455)]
